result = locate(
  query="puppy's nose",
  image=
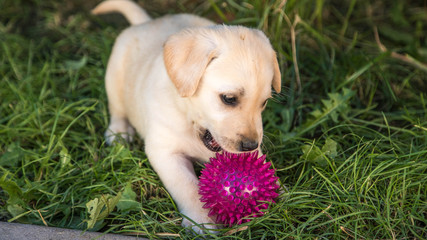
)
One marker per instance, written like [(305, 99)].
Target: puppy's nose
[(248, 145)]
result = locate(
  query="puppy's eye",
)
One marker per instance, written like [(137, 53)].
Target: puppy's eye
[(230, 100)]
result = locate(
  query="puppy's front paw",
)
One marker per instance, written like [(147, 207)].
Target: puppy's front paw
[(204, 224)]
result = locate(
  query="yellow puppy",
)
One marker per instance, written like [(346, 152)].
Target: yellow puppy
[(189, 88)]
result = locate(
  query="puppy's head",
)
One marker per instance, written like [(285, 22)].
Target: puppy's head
[(226, 74)]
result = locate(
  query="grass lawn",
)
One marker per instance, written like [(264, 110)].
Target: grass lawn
[(348, 135)]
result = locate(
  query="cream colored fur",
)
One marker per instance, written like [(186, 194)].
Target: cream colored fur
[(167, 77)]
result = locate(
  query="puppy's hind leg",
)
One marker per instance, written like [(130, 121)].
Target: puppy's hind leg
[(119, 125)]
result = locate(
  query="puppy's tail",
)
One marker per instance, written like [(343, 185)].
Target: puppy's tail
[(132, 11)]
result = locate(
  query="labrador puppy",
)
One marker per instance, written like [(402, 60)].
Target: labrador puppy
[(189, 88)]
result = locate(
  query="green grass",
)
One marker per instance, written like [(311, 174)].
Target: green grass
[(348, 136)]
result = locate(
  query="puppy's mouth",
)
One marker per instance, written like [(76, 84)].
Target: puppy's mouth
[(210, 142)]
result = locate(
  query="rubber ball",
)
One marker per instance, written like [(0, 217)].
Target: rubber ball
[(237, 187)]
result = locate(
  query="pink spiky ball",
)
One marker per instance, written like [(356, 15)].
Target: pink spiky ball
[(237, 186)]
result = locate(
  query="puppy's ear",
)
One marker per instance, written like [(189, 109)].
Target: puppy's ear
[(186, 56), (277, 78)]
